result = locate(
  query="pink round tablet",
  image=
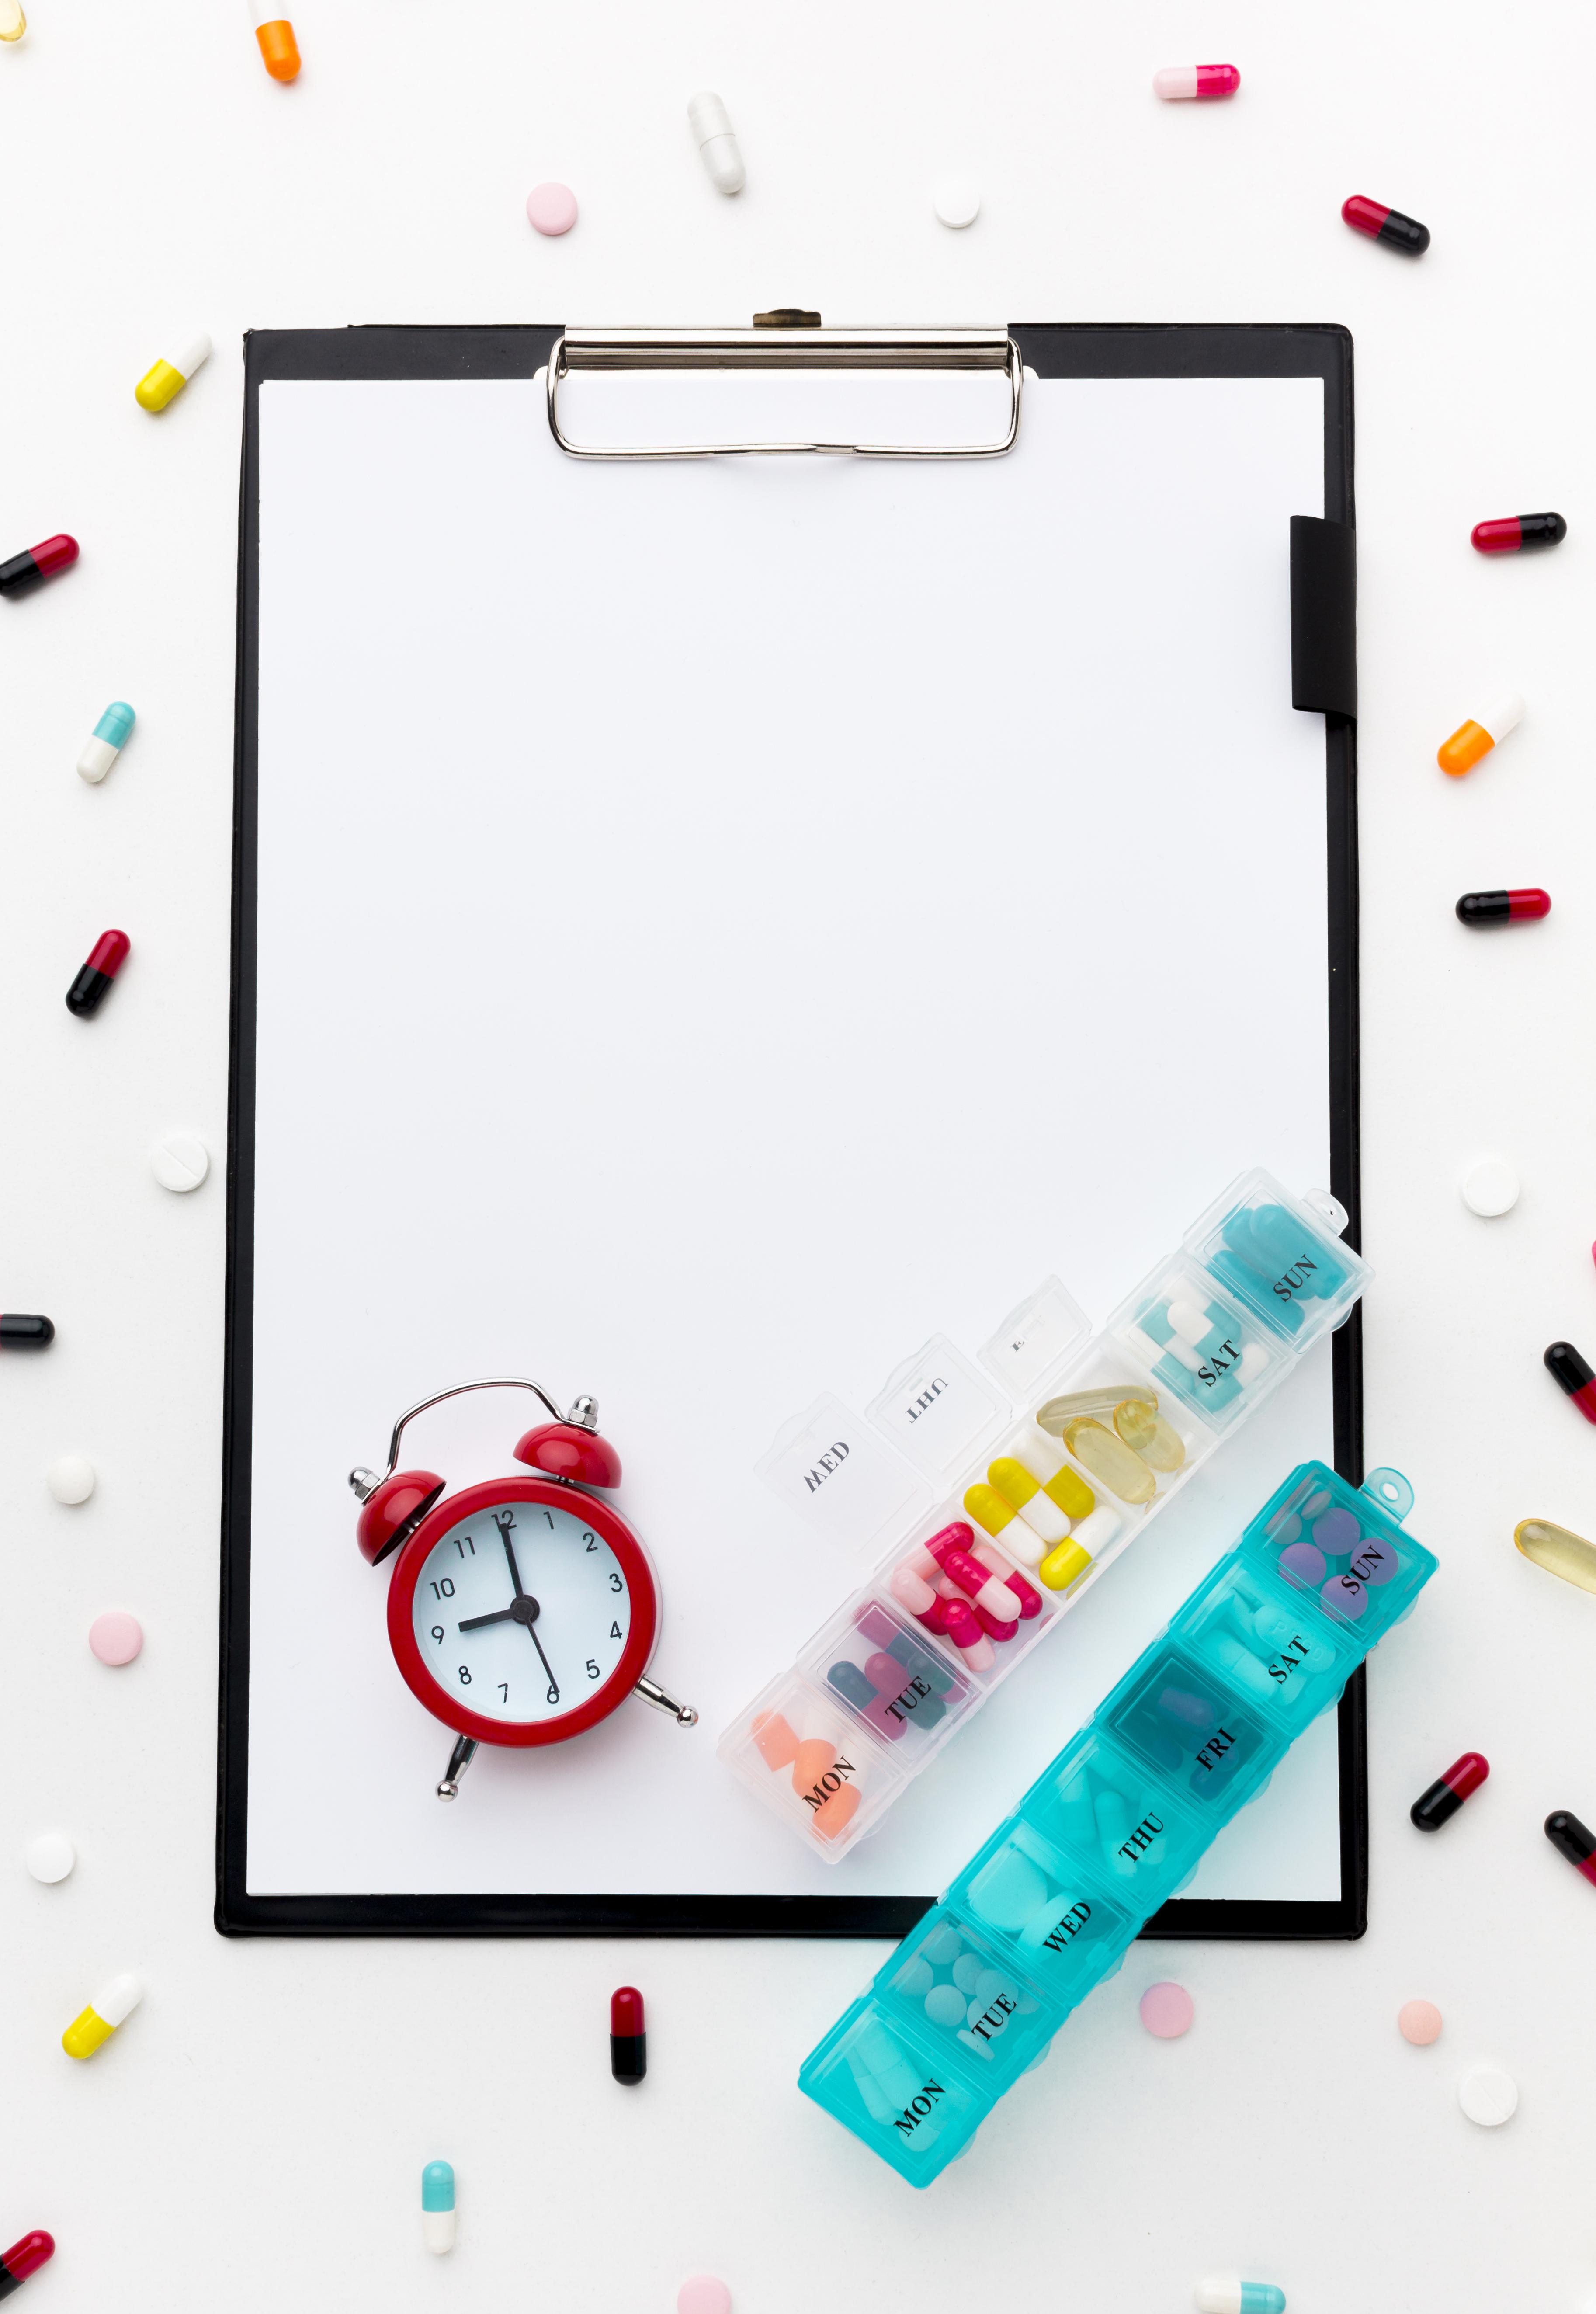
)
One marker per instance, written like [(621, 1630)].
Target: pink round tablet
[(552, 209), (703, 2293), (1419, 2021), (116, 1638), (1166, 2011)]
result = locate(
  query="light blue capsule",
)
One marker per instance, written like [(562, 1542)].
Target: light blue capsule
[(437, 2186), (109, 737), (1227, 2294), (115, 724)]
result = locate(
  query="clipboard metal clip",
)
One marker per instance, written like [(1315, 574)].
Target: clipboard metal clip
[(789, 340)]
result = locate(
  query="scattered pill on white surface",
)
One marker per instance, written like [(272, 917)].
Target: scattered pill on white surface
[(1227, 2294), (1177, 83), (106, 741), (166, 379), (111, 2005), (70, 1478), (1166, 2011), (13, 23), (116, 1637), (717, 141), (179, 1161), (956, 201), (438, 2208), (1490, 1187), (1419, 2021), (1488, 2096), (551, 208), (703, 2293), (49, 1857)]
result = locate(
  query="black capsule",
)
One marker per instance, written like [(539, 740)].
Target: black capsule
[(1447, 1793), (1389, 226), (1524, 905), (23, 571), (1510, 533), (18, 1332), (629, 2043), (1570, 1838)]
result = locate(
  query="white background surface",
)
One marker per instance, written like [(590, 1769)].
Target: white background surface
[(255, 2131)]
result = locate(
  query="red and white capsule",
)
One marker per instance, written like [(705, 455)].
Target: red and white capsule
[(1177, 82)]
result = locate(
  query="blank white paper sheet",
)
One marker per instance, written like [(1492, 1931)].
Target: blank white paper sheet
[(719, 924)]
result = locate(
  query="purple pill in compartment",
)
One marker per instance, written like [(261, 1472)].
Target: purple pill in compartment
[(1346, 1597), (1336, 1532), (1301, 1563)]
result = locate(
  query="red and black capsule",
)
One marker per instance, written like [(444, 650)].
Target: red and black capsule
[(1389, 226), (1569, 1837), (1514, 531), (1481, 909), (25, 2258), (629, 2044), (19, 1331), (36, 562), (106, 959), (1447, 1793), (1569, 1371)]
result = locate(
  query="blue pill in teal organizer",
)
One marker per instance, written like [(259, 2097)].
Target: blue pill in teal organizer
[(1118, 1821)]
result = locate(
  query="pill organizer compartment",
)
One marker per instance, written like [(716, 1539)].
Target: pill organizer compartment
[(947, 1441), (807, 1756), (1193, 1726), (888, 1674), (1252, 1628), (1049, 1906), (1341, 1550), (962, 1987), (891, 2082), (1105, 1802), (1201, 1345), (910, 1572), (1281, 1255)]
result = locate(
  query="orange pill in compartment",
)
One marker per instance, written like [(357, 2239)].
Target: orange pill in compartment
[(837, 1812), (774, 1740)]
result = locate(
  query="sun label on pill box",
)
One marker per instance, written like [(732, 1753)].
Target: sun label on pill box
[(1419, 2021), (180, 1162), (70, 1478), (552, 209), (116, 1638), (165, 379), (49, 1857), (1488, 2096), (106, 742), (1490, 1188)]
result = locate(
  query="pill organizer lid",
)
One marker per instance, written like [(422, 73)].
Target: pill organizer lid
[(939, 1410), (1035, 1341), (839, 1474), (1315, 1211)]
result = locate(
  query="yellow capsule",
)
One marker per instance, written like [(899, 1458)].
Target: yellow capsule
[(1108, 1458), (13, 23), (1145, 1431), (1063, 1565), (1023, 1493), (987, 1507), (110, 2008), (1559, 1551), (167, 379)]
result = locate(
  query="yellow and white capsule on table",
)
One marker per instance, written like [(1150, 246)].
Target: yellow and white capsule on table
[(13, 23), (167, 379), (111, 2005)]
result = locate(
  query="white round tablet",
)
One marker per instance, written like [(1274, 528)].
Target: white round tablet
[(49, 1856), (1488, 2096), (1490, 1187), (71, 1479), (956, 201), (179, 1160)]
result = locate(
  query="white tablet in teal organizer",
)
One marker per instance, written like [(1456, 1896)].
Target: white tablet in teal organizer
[(1118, 1821)]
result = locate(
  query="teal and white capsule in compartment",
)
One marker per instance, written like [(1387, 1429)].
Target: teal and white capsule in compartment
[(1227, 2294), (438, 2207), (106, 741)]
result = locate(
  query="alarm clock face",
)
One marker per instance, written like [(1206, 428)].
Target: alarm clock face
[(530, 1611)]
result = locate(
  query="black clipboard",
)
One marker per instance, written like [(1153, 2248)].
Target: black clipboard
[(1323, 680)]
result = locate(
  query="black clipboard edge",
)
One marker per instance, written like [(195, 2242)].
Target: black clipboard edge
[(519, 351)]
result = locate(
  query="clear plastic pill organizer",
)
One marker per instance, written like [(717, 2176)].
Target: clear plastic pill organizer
[(1118, 1821), (1000, 1496)]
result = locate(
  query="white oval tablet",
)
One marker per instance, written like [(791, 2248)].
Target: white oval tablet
[(1488, 2096), (1490, 1187), (956, 201), (179, 1161), (70, 1478), (49, 1857)]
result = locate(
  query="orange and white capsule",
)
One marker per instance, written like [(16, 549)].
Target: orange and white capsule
[(1476, 738), (274, 35)]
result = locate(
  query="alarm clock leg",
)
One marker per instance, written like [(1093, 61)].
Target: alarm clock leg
[(683, 1714), (460, 1760)]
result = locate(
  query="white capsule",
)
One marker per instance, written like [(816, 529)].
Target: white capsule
[(105, 744), (1190, 1320), (1504, 716), (1227, 2294), (716, 139)]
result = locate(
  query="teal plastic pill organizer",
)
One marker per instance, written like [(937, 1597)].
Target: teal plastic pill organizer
[(1118, 1821), (832, 1742)]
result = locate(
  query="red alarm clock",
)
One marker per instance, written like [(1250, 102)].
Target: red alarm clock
[(522, 1610)]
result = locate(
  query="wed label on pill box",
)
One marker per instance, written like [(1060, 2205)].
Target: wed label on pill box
[(938, 1411), (839, 1475)]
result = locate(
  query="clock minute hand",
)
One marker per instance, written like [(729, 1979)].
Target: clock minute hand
[(475, 1622), (548, 1666), (504, 1527)]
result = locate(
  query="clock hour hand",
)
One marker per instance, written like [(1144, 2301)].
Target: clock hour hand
[(475, 1622), (504, 1526)]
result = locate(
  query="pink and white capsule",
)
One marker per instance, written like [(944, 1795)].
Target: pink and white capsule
[(1177, 82), (958, 1621), (1030, 1601), (946, 1550)]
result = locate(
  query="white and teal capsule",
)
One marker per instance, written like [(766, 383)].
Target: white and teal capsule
[(438, 2207), (1227, 2294), (108, 738)]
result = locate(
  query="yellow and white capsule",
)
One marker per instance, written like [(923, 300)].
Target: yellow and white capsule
[(13, 23), (111, 2005), (166, 381)]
